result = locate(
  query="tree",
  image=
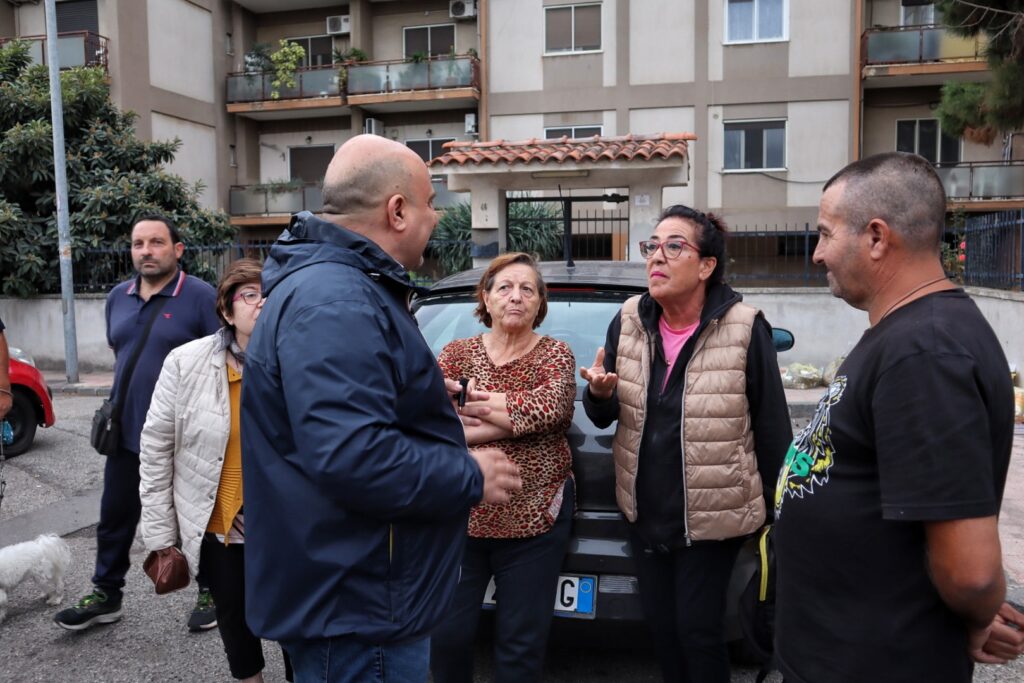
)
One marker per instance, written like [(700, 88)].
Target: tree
[(999, 103), (533, 227), (112, 176)]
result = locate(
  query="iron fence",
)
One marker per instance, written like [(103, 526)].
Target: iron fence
[(97, 270), (993, 253), (773, 256)]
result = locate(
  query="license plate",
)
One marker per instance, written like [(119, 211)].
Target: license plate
[(574, 596)]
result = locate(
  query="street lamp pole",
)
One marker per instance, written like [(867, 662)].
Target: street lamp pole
[(60, 176)]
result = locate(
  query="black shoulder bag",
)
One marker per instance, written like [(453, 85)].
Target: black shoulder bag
[(106, 422)]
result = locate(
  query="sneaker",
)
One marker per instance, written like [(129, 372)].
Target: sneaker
[(95, 608), (204, 615)]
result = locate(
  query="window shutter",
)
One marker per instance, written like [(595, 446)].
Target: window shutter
[(77, 15)]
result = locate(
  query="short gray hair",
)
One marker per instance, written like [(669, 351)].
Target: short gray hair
[(900, 188)]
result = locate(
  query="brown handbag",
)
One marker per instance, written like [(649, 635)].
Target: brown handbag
[(168, 569)]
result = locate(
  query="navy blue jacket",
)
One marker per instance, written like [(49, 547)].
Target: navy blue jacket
[(357, 480)]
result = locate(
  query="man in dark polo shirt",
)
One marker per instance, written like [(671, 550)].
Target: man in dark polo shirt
[(187, 311)]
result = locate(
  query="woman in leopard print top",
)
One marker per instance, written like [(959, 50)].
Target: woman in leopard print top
[(531, 384)]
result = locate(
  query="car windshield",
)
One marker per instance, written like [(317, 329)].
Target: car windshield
[(580, 319)]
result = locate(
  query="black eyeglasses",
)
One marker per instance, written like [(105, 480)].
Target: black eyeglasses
[(671, 248)]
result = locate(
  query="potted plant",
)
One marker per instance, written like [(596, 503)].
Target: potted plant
[(286, 60)]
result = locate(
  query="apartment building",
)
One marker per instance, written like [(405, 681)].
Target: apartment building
[(780, 93)]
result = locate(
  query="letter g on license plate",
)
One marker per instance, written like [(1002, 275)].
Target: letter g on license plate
[(575, 596)]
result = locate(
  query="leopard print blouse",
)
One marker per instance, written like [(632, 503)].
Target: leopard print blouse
[(541, 391)]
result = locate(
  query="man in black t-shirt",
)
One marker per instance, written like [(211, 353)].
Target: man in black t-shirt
[(889, 564)]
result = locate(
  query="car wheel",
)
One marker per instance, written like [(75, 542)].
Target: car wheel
[(22, 417)]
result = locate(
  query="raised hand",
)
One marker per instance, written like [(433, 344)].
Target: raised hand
[(602, 383)]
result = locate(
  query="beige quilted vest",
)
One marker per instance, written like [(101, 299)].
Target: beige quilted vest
[(724, 496)]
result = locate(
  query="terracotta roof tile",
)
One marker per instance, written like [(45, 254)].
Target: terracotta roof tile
[(557, 151)]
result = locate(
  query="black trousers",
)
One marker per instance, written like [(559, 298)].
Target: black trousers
[(525, 572), (682, 592), (223, 568), (120, 509)]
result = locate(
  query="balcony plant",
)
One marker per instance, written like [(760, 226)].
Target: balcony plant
[(344, 60), (278, 186), (286, 60)]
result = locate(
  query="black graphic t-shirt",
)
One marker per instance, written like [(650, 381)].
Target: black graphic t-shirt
[(916, 427)]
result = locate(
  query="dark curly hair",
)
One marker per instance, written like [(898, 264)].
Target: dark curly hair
[(711, 232)]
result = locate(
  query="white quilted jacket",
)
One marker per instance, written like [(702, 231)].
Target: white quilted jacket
[(182, 446)]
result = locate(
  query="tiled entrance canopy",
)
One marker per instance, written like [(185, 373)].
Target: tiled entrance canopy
[(661, 146)]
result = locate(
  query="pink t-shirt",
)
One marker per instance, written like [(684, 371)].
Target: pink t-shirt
[(671, 343)]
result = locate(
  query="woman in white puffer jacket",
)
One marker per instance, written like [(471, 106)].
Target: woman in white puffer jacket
[(191, 463)]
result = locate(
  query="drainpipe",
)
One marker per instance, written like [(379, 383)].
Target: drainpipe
[(483, 120), (858, 90)]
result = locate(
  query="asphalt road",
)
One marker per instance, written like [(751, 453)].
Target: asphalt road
[(55, 487)]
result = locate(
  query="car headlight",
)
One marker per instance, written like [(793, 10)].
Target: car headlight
[(18, 354)]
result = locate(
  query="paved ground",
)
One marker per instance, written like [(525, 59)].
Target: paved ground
[(55, 487)]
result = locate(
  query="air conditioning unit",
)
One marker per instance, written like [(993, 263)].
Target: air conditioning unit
[(373, 126), (339, 24), (471, 124), (462, 9)]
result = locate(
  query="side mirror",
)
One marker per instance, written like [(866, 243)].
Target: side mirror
[(782, 339)]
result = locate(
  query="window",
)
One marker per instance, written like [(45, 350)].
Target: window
[(755, 145), (430, 40), (574, 28), (318, 50), (77, 15), (925, 137), (913, 13), (309, 164), (752, 21), (428, 149), (573, 132)]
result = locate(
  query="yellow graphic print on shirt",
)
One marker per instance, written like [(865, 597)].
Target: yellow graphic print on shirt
[(811, 455)]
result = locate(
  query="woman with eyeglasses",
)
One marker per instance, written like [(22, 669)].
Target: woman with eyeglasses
[(691, 376), (191, 461)]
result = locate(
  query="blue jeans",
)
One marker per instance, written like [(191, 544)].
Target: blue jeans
[(346, 660)]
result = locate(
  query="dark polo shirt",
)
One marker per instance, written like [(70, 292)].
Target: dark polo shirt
[(190, 312)]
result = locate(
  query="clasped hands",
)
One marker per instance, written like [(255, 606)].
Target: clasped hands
[(501, 475)]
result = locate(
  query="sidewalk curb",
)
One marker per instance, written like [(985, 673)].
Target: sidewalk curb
[(80, 389), (64, 517)]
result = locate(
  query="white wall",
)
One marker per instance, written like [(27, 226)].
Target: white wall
[(825, 327), (274, 159), (816, 147), (669, 120), (716, 34), (713, 154), (819, 37), (181, 48), (196, 158), (31, 20), (515, 46), (609, 44), (37, 327), (517, 127), (665, 55)]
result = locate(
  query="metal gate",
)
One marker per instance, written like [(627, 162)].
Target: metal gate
[(589, 230)]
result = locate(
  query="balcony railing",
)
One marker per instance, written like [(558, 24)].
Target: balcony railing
[(918, 44), (74, 48), (310, 81), (983, 179), (368, 78), (265, 200)]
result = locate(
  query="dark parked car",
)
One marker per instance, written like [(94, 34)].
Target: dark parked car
[(598, 580), (32, 405)]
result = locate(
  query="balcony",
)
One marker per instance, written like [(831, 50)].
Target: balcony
[(984, 185), (74, 48), (274, 203), (442, 82), (919, 50), (317, 91)]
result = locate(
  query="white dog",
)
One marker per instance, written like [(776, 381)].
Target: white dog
[(44, 559)]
